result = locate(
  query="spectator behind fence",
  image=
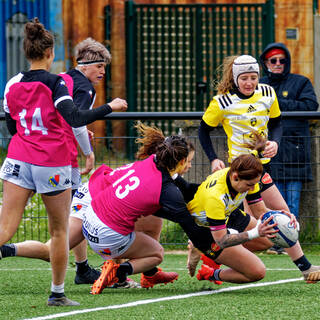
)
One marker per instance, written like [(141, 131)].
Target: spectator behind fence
[(291, 166)]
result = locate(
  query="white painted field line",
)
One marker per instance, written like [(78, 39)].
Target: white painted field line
[(174, 269), (148, 301)]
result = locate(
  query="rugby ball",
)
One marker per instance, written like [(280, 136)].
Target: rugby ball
[(287, 235)]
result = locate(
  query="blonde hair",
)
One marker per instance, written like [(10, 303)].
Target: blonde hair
[(225, 77), (92, 50)]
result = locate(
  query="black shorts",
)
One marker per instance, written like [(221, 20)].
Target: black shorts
[(238, 220), (266, 181)]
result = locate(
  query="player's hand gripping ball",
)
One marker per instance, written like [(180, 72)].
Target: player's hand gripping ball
[(288, 234)]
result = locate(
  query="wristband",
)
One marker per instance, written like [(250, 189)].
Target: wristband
[(253, 233)]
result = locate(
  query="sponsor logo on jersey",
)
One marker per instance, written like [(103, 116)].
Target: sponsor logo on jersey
[(285, 93), (54, 181), (253, 121), (266, 179), (251, 109)]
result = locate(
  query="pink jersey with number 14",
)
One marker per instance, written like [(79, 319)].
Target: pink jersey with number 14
[(40, 138)]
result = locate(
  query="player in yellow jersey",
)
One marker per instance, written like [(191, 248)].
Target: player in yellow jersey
[(216, 204), (241, 106)]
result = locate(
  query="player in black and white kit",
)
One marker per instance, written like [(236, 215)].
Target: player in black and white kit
[(92, 58)]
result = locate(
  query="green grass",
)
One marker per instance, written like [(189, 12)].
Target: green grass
[(25, 286)]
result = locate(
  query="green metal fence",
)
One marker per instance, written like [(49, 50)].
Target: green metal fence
[(34, 223), (173, 50)]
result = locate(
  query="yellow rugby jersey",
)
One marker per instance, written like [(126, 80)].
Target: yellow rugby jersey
[(213, 199), (239, 116)]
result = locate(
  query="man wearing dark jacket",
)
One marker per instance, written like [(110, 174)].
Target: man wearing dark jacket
[(291, 166)]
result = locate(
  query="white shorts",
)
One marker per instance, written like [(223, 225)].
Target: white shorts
[(75, 178), (102, 239), (37, 178), (80, 201)]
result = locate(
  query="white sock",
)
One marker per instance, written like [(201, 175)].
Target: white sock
[(57, 288)]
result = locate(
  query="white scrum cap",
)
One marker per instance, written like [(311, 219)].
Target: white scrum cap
[(244, 64)]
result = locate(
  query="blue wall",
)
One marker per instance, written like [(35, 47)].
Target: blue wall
[(49, 13)]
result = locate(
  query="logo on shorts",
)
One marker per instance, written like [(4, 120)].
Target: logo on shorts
[(16, 170), (214, 250), (266, 179), (105, 252), (79, 195), (54, 181), (66, 182), (215, 247), (10, 168), (77, 207)]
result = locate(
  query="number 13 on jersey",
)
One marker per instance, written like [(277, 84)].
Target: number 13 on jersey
[(123, 188)]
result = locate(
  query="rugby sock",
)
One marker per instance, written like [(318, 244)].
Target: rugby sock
[(123, 271), (8, 250), (82, 267), (57, 291), (302, 263), (216, 275), (151, 272)]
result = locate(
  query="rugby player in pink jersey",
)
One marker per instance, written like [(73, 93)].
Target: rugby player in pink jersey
[(38, 158)]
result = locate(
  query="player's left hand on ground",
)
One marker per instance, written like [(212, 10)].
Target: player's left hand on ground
[(271, 149)]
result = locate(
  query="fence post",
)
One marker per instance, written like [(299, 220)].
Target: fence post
[(268, 23)]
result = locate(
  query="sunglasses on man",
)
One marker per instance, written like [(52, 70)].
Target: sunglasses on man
[(274, 60)]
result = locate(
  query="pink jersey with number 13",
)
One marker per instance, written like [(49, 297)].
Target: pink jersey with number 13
[(126, 193)]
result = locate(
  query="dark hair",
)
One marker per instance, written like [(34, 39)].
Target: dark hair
[(247, 166), (169, 151), (36, 40)]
